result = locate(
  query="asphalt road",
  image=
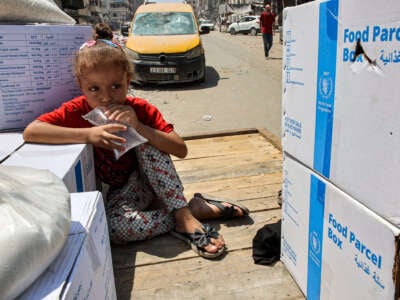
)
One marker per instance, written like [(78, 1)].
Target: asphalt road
[(242, 89)]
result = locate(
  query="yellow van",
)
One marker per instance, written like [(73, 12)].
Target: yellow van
[(164, 44)]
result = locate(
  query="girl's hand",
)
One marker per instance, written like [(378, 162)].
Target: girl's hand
[(123, 114), (103, 137)]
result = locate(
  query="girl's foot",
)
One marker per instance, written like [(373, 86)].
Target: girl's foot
[(186, 223), (207, 207)]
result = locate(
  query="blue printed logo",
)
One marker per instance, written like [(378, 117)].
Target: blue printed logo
[(325, 86), (315, 242)]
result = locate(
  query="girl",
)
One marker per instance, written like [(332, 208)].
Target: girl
[(145, 196)]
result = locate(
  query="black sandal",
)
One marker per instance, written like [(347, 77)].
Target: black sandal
[(226, 212), (198, 240)]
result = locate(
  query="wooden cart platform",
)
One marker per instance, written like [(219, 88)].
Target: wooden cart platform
[(244, 166)]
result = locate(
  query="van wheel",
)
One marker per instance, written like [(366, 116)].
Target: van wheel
[(253, 31), (232, 31)]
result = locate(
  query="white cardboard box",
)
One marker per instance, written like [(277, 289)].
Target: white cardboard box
[(36, 70), (83, 269), (9, 142), (341, 117), (73, 163), (335, 247)]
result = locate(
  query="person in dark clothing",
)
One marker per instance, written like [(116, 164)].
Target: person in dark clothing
[(267, 21)]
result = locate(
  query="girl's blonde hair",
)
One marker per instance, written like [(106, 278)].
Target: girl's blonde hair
[(100, 52)]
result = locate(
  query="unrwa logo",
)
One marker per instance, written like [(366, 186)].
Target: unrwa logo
[(315, 242), (325, 85)]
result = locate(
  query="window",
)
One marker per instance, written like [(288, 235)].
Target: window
[(164, 23)]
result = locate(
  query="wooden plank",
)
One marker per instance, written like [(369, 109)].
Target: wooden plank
[(258, 192), (214, 168), (238, 234), (233, 277), (245, 167), (226, 145), (261, 204), (238, 188), (272, 138), (229, 132), (258, 204)]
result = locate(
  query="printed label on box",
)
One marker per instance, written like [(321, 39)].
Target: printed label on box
[(36, 70)]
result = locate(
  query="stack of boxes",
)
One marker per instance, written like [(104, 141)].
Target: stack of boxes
[(10, 142), (341, 138), (36, 77), (83, 268)]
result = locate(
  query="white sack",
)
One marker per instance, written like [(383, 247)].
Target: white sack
[(35, 216), (33, 11)]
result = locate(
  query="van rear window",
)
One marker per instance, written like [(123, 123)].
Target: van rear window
[(164, 23)]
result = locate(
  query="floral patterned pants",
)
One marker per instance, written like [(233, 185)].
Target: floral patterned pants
[(143, 207)]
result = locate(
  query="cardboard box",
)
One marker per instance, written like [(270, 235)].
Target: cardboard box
[(335, 247), (36, 70), (340, 117), (83, 269), (73, 163), (9, 142)]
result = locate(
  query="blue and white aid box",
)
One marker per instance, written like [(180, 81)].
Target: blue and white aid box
[(73, 163), (9, 142), (341, 117), (36, 70), (83, 269), (334, 246)]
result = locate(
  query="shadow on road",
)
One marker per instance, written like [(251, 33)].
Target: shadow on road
[(212, 78)]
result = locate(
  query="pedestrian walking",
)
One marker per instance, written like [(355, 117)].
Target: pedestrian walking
[(267, 22)]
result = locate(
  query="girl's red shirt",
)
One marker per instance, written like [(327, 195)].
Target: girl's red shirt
[(108, 169)]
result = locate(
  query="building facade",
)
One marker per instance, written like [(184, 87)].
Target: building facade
[(117, 12)]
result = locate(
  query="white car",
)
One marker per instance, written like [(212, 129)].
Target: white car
[(206, 23), (246, 24)]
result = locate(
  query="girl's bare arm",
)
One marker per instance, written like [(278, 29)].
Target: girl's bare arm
[(101, 136), (170, 143)]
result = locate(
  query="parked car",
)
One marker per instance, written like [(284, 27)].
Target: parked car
[(246, 24), (164, 44), (206, 24)]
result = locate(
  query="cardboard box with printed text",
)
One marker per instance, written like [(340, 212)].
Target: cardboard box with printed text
[(73, 163), (335, 247), (36, 70), (340, 109)]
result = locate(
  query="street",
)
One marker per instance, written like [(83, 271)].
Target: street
[(242, 89)]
